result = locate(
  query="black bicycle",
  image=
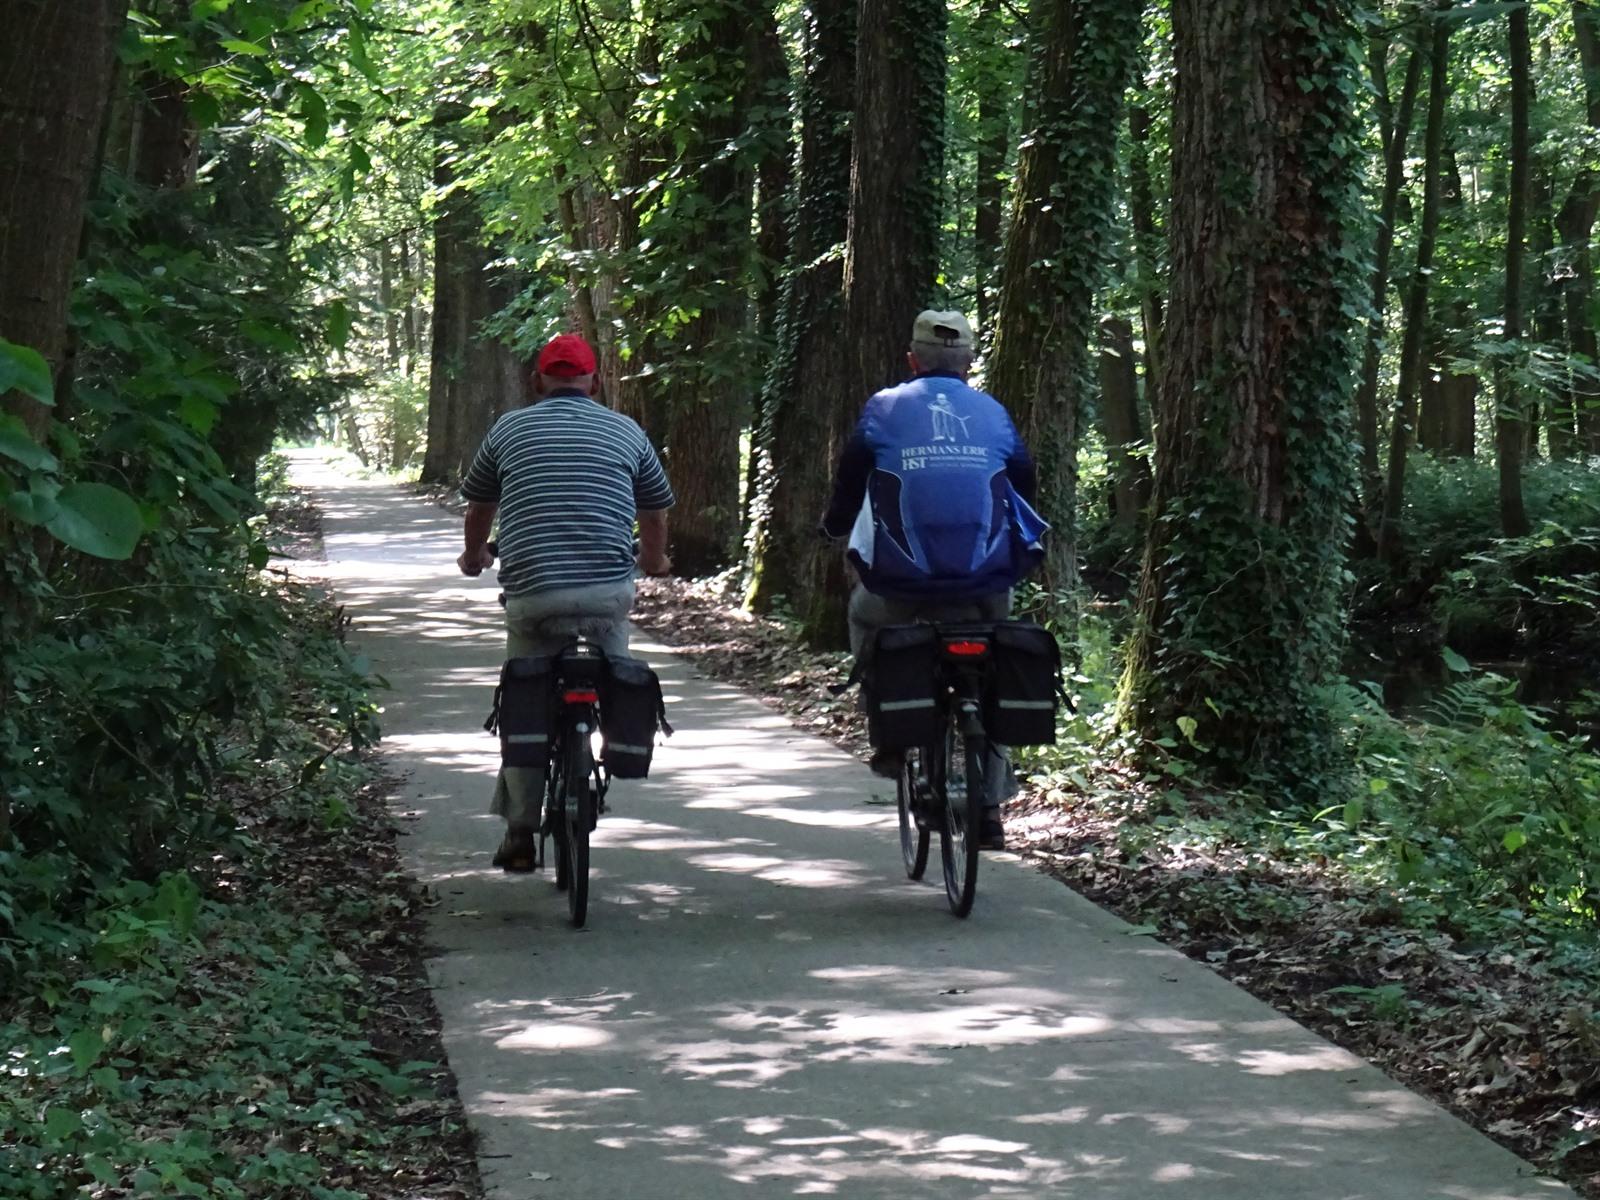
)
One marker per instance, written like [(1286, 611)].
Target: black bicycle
[(942, 785), (575, 786)]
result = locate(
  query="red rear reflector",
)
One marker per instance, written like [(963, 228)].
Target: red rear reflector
[(581, 697), (968, 649)]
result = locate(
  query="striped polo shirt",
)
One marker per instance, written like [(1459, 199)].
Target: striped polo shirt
[(570, 476)]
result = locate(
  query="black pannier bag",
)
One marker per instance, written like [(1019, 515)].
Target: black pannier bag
[(522, 712), (901, 686), (631, 710), (1024, 682)]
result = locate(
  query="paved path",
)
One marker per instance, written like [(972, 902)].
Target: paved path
[(763, 1006)]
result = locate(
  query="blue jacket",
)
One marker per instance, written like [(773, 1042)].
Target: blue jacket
[(934, 489)]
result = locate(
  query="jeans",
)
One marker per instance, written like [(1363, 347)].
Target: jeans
[(869, 612), (542, 624)]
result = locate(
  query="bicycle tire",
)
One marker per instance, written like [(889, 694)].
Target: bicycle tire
[(913, 831), (553, 808), (961, 817), (577, 815)]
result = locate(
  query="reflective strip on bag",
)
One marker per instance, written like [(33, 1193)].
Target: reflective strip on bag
[(903, 705), (621, 748), (1032, 704), (526, 739)]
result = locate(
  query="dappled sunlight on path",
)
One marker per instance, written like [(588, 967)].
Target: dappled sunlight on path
[(762, 1005)]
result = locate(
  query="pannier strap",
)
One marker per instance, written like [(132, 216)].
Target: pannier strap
[(492, 725)]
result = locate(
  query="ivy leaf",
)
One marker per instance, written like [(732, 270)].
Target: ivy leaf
[(16, 443), (98, 519), (24, 370)]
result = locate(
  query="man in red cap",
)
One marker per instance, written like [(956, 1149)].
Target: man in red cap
[(567, 479)]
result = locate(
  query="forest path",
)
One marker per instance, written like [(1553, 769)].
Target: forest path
[(762, 1005)]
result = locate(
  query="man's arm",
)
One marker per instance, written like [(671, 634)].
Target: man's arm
[(849, 485), (479, 521), (653, 558)]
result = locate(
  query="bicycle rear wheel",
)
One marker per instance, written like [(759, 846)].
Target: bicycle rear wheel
[(554, 814), (961, 817), (913, 825), (577, 817)]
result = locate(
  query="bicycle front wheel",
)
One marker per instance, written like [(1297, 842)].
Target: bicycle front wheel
[(577, 817), (961, 818)]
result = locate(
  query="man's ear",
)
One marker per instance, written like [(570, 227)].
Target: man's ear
[(594, 384), (911, 361)]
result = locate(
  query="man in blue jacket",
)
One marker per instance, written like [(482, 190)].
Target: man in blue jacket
[(935, 492)]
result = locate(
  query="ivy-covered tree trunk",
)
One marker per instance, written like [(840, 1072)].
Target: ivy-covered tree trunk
[(1416, 308), (1510, 421), (892, 245), (1238, 619), (806, 377), (1059, 243), (709, 401)]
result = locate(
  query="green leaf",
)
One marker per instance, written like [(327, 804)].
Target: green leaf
[(16, 443), (340, 320), (24, 370), (204, 108), (198, 413), (1355, 812), (1454, 661), (1187, 726), (98, 519), (1514, 840), (61, 1123), (86, 1046), (239, 46), (1377, 786)]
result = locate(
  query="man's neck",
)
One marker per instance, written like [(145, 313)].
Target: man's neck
[(961, 375), (565, 391)]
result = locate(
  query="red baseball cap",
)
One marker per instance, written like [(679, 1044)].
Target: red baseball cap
[(566, 354)]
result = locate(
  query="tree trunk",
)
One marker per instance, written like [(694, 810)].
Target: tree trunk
[(1548, 326), (472, 379), (805, 377), (1059, 243), (1146, 238), (1121, 423), (1510, 420), (55, 82), (768, 86), (1238, 622), (1398, 135), (896, 198), (1575, 222), (709, 403), (994, 143), (1405, 413)]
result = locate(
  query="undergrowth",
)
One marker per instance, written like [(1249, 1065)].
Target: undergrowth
[(186, 966)]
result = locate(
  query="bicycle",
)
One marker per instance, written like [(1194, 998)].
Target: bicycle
[(942, 784), (576, 783)]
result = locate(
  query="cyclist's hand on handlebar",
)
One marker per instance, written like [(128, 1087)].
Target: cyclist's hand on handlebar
[(472, 562), (657, 565)]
